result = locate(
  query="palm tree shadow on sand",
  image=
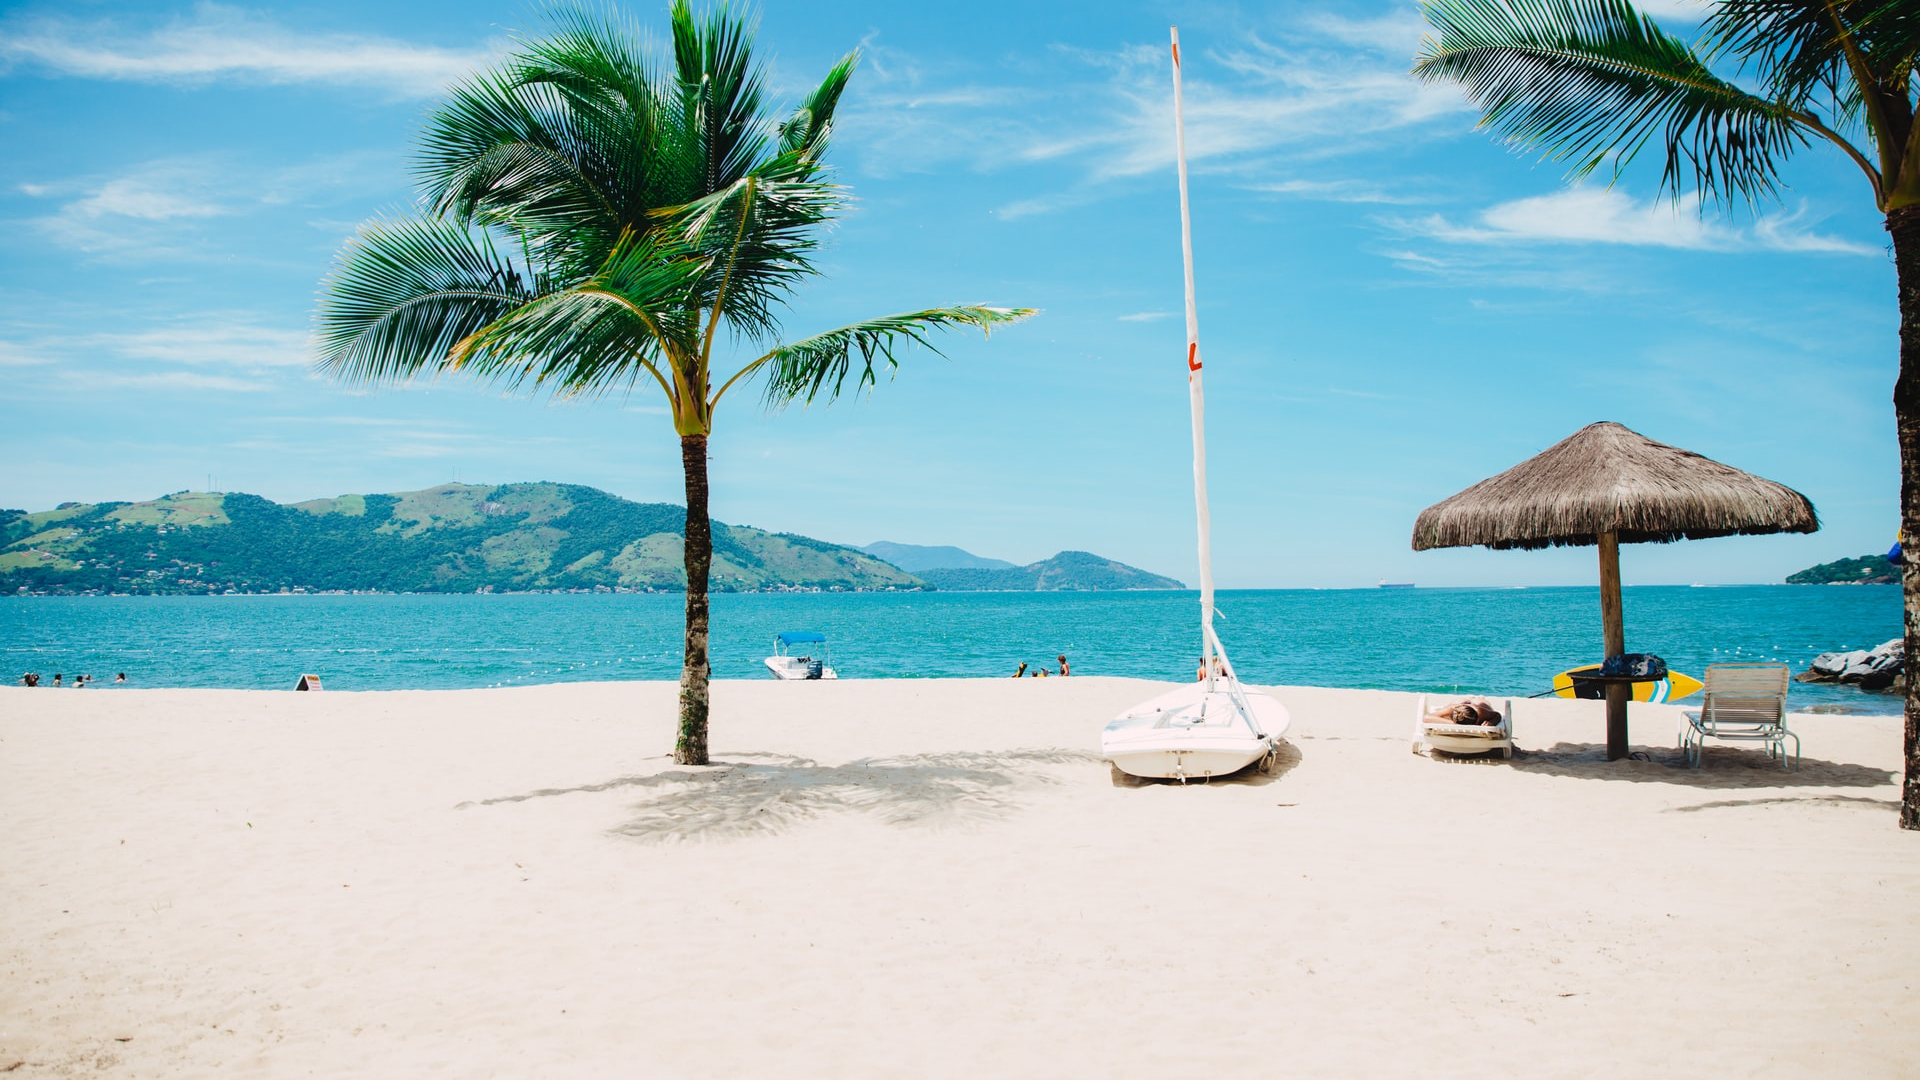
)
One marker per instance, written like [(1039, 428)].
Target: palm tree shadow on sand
[(1727, 767), (764, 794)]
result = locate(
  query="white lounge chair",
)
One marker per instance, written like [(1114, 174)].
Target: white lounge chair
[(1463, 738), (1743, 703)]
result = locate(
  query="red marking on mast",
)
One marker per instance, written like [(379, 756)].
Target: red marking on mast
[(1193, 358), (1176, 54)]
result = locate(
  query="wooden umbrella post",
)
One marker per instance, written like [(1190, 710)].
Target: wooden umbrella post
[(1614, 631)]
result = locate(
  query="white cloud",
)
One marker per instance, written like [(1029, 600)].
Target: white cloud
[(1397, 33), (1583, 215), (1593, 215), (1415, 260), (221, 43), (1316, 87), (355, 421), (161, 209), (172, 380), (139, 211), (423, 450), (12, 355), (1784, 234), (228, 352), (138, 197), (1347, 191), (1672, 14), (1245, 105), (1045, 204), (207, 340), (422, 441), (1146, 316)]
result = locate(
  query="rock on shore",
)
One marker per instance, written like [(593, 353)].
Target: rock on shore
[(1876, 669)]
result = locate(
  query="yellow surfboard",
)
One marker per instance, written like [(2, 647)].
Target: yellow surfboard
[(1672, 688)]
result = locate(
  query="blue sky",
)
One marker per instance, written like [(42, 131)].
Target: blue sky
[(1392, 306)]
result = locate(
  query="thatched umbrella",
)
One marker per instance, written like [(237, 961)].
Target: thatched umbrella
[(1607, 485)]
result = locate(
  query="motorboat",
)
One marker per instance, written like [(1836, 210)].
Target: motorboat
[(1213, 726), (800, 655)]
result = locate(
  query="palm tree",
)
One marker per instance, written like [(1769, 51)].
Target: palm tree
[(589, 224), (1580, 81)]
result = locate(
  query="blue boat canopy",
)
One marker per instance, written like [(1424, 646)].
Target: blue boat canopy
[(793, 636)]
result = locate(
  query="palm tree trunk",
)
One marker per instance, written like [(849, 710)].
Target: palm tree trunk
[(1903, 224), (691, 748)]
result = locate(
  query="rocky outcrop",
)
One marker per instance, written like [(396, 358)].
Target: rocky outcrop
[(1876, 669)]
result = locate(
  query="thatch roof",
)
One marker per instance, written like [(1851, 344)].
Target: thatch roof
[(1604, 478)]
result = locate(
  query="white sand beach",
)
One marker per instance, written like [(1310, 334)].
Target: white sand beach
[(928, 879)]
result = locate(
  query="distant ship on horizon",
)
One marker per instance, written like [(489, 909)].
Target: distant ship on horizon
[(1385, 584)]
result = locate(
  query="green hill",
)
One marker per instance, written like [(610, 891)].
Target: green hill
[(1865, 570), (451, 538), (1069, 571)]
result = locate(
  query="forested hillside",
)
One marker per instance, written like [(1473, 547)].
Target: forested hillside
[(1865, 570), (452, 538)]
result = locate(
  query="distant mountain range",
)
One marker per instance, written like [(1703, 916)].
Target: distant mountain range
[(914, 558), (958, 570), (465, 538), (1069, 571)]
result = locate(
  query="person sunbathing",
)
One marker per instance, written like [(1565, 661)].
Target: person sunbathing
[(1472, 712)]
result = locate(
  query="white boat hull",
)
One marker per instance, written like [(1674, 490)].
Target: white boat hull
[(1192, 734), (794, 669)]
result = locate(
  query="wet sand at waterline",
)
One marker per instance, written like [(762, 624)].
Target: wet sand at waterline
[(921, 878)]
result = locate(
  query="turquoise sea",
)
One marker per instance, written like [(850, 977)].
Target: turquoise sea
[(1498, 640)]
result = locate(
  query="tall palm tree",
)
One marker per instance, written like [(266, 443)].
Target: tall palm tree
[(589, 224), (1580, 81)]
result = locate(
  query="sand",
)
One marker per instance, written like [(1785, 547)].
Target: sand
[(927, 879)]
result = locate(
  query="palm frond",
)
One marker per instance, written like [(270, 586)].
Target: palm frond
[(722, 90), (819, 365), (806, 132), (1800, 47), (1580, 81), (623, 109), (758, 235), (598, 58), (499, 148), (405, 292), (596, 334), (1855, 57)]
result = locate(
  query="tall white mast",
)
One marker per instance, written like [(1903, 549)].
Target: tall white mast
[(1196, 395)]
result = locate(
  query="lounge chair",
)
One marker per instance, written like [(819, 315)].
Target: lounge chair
[(1743, 703), (1463, 738)]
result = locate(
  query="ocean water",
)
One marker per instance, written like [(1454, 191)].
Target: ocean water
[(1504, 641)]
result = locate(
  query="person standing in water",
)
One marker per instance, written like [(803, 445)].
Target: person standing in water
[(1065, 669)]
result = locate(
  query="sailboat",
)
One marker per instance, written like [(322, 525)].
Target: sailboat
[(1214, 725)]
